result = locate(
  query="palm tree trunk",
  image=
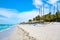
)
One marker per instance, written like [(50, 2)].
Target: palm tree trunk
[(43, 10), (56, 13), (49, 12)]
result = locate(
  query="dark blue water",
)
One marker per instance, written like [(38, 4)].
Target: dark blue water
[(5, 26)]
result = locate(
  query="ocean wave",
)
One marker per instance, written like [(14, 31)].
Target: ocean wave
[(5, 26)]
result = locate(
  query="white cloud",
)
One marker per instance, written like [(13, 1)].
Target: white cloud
[(52, 1), (7, 12), (37, 3), (25, 16), (13, 16)]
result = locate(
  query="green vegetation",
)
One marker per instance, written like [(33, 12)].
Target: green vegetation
[(30, 20), (48, 17)]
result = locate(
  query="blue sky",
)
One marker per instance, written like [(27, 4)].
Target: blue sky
[(20, 5), (17, 11)]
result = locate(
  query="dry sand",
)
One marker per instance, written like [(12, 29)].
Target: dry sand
[(30, 32)]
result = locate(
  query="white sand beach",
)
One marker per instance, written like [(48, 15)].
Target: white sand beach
[(31, 32)]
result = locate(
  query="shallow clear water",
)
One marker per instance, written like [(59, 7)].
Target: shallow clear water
[(5, 26)]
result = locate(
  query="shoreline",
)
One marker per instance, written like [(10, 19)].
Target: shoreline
[(6, 29), (31, 32), (5, 34)]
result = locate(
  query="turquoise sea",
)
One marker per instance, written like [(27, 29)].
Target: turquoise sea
[(5, 26)]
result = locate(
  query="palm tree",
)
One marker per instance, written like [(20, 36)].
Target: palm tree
[(34, 19), (40, 13), (49, 13), (43, 9), (30, 20), (38, 18), (57, 13)]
